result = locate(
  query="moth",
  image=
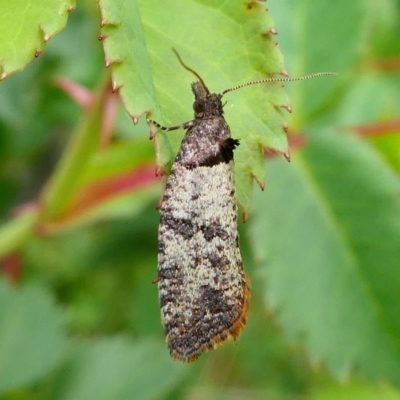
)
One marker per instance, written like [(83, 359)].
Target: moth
[(204, 291)]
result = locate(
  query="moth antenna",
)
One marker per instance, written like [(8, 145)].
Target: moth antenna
[(191, 70), (266, 80)]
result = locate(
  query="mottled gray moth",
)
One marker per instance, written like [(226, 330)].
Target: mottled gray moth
[(204, 291)]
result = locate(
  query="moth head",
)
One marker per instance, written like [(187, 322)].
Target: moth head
[(205, 103)]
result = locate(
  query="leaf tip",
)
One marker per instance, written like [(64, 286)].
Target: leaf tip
[(287, 107), (160, 171), (260, 183), (252, 4), (115, 87), (286, 154)]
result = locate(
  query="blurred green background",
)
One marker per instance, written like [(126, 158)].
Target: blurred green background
[(79, 316)]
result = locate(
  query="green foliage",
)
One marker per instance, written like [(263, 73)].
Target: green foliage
[(32, 336), (26, 27), (80, 319), (345, 254), (117, 369)]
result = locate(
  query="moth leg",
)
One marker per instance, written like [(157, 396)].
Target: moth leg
[(185, 125)]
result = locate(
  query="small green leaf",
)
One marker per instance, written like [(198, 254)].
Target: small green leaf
[(118, 369), (25, 27), (32, 337)]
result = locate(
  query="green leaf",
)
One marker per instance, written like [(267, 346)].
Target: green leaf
[(231, 45), (328, 232), (32, 337), (120, 370), (25, 27)]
